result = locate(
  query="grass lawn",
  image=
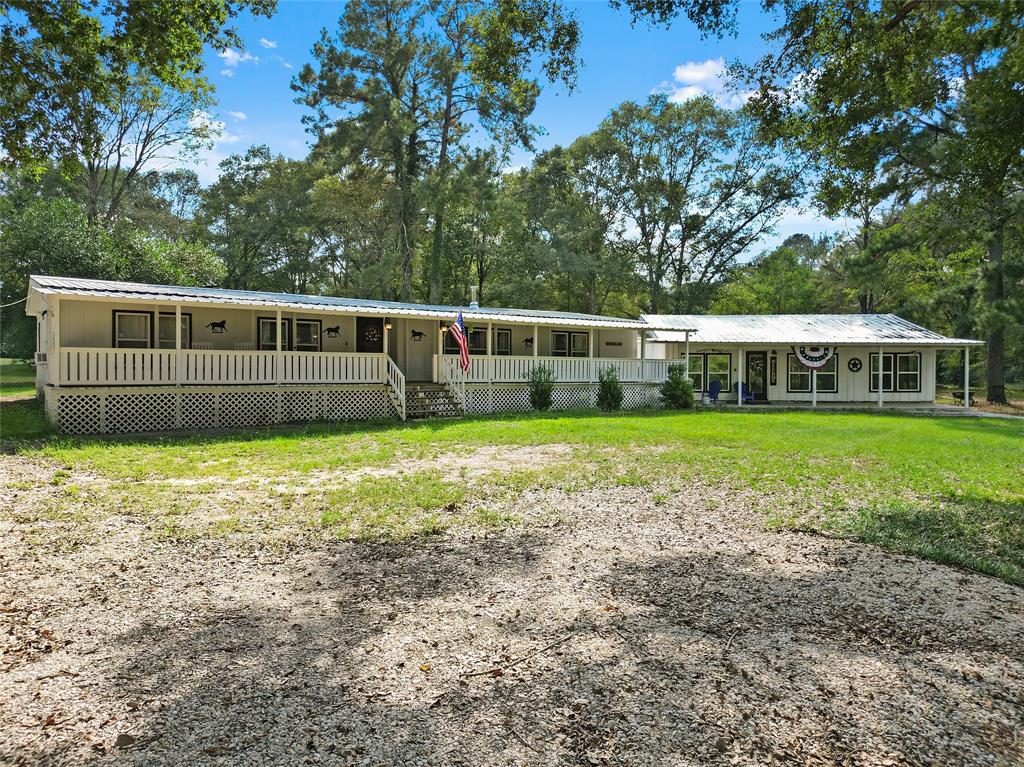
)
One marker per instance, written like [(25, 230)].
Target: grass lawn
[(17, 379), (948, 489)]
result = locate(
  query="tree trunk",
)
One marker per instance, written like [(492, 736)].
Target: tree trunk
[(437, 249), (995, 295), (407, 214)]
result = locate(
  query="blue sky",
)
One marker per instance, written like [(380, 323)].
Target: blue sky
[(620, 62)]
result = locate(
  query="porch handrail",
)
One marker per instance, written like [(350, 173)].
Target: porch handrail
[(396, 382), (453, 375)]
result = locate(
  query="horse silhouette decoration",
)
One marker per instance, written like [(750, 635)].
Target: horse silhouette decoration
[(333, 332), (417, 335), (218, 327)]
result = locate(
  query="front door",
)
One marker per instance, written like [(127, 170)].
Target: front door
[(370, 335), (756, 377)]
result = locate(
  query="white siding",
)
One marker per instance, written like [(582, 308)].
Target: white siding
[(853, 387)]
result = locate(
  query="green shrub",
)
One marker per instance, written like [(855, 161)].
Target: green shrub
[(677, 391), (541, 379), (609, 390)]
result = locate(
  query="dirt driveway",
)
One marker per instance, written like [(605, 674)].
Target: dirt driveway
[(611, 627)]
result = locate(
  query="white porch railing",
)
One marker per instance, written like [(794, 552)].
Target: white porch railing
[(396, 385), (453, 375), (88, 366), (499, 369)]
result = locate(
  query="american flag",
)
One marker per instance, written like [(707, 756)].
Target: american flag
[(458, 330)]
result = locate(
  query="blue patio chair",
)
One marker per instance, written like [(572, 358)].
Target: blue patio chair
[(748, 395), (714, 390)]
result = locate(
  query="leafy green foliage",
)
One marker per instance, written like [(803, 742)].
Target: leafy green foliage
[(677, 389), (786, 280), (64, 58), (541, 382), (609, 389), (54, 236)]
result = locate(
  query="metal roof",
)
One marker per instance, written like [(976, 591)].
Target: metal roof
[(166, 294), (821, 329)]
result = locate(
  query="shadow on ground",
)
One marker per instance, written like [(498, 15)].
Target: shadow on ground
[(642, 633)]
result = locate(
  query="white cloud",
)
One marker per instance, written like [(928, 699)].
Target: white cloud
[(233, 58), (268, 43), (228, 72), (703, 78), (685, 93), (238, 115), (284, 63), (696, 72)]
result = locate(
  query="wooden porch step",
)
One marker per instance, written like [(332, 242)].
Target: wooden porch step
[(430, 400)]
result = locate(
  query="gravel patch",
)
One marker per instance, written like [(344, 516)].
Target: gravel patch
[(613, 627)]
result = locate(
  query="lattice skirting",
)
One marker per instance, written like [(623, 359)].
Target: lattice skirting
[(516, 397), (109, 411)]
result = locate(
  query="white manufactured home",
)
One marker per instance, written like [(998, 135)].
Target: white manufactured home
[(128, 357), (865, 358), (117, 357)]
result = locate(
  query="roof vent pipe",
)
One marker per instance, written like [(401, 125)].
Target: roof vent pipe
[(472, 297)]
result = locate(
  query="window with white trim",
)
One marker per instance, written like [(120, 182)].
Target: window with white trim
[(907, 375), (569, 344), (503, 341), (696, 371), (165, 330), (828, 376), (719, 368), (307, 335), (799, 377), (268, 338), (908, 372), (132, 330), (476, 339)]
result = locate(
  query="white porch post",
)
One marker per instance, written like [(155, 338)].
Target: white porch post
[(177, 364), (386, 334), (177, 344), (814, 387), (967, 377), (590, 355), (54, 364), (881, 366), (686, 356), (278, 360), (439, 359), (643, 356), (536, 340), (739, 382), (490, 366)]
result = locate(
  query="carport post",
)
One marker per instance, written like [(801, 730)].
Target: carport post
[(881, 366), (814, 387), (967, 377), (739, 376)]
